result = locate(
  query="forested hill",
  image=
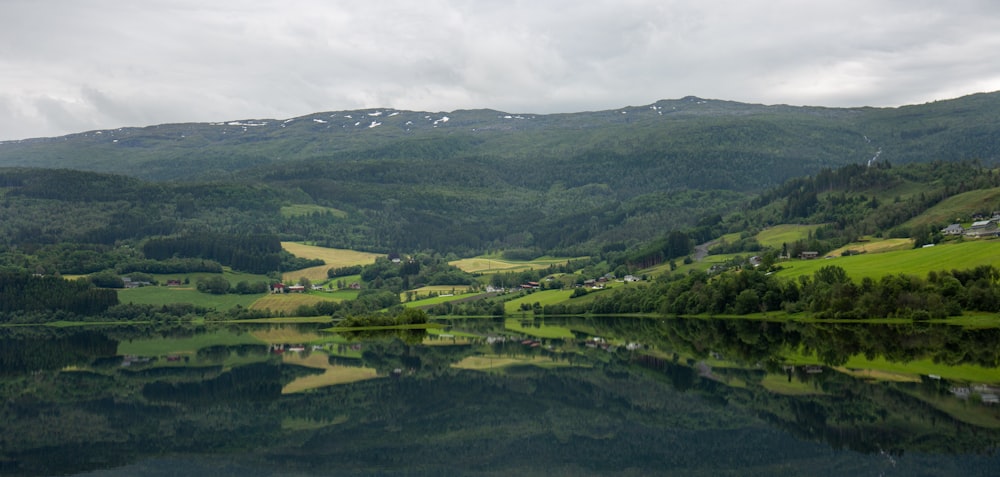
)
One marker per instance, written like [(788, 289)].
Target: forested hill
[(686, 143)]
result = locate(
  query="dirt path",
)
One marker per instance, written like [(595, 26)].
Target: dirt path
[(701, 251)]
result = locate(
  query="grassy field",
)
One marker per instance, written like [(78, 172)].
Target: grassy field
[(956, 209), (288, 303), (334, 258), (786, 233), (963, 255), (875, 246), (545, 297), (166, 295), (437, 300), (492, 264), (298, 210), (436, 289)]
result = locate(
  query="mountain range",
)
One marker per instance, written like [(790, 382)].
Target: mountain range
[(474, 180)]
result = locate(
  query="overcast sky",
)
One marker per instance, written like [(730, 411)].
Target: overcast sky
[(76, 65)]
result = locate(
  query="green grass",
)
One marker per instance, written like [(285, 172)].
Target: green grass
[(228, 274), (298, 210), (438, 300), (167, 295), (494, 264), (544, 297), (775, 236), (964, 255)]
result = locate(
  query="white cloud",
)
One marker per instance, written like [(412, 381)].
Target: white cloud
[(67, 66)]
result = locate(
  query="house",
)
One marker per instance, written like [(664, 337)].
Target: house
[(631, 278), (808, 255), (173, 283), (756, 260), (296, 289), (982, 228), (354, 286), (278, 288), (953, 229), (130, 283)]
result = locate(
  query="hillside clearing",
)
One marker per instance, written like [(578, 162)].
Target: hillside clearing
[(485, 264), (775, 236), (298, 210)]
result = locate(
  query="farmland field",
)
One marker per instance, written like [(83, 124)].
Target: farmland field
[(887, 245), (334, 258), (489, 264), (288, 303), (965, 255), (546, 297), (155, 295)]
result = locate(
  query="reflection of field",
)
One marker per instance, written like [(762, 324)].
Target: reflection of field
[(779, 384), (332, 374), (290, 335), (486, 362), (878, 375), (334, 258)]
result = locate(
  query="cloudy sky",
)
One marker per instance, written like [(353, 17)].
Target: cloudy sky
[(75, 65)]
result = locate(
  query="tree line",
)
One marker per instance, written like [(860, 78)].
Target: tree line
[(828, 293)]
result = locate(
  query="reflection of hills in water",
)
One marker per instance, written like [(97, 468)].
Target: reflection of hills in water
[(632, 396)]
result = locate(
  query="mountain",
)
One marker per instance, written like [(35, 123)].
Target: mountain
[(689, 142), (463, 181)]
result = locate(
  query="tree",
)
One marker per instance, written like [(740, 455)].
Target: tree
[(216, 285)]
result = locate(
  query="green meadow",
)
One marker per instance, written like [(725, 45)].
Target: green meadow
[(160, 295), (544, 297), (495, 263), (952, 256)]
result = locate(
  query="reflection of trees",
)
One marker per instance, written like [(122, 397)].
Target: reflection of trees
[(51, 348), (639, 410)]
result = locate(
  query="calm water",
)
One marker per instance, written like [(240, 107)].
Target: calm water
[(587, 396)]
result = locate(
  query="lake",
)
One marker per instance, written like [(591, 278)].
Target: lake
[(484, 397)]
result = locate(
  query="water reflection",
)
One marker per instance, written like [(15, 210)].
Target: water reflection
[(587, 396)]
